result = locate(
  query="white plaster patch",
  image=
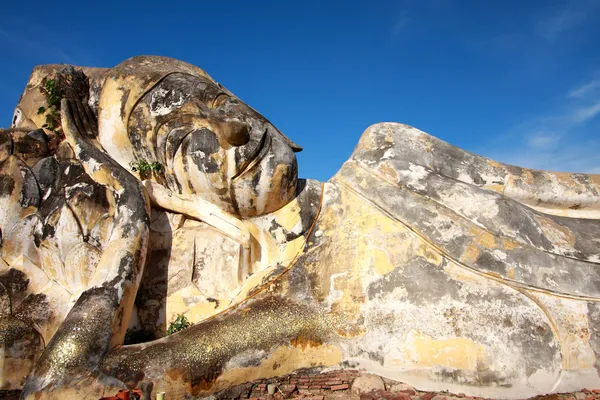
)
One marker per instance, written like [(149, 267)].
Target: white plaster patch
[(94, 98), (492, 179), (334, 295), (93, 165), (471, 204), (71, 189), (297, 228), (389, 153), (464, 177), (499, 254), (245, 359), (161, 93), (231, 164), (200, 153), (415, 176), (17, 116)]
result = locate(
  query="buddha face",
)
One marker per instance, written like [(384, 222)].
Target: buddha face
[(213, 145)]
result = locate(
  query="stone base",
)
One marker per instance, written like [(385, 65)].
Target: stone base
[(337, 385)]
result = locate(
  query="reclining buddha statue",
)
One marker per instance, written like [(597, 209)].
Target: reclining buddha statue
[(135, 196)]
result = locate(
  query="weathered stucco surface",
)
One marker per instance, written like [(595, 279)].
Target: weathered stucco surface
[(417, 261)]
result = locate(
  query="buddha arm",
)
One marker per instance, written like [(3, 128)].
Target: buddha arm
[(200, 209), (566, 194), (99, 318), (192, 359)]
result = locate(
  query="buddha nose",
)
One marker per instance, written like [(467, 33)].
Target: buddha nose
[(236, 133)]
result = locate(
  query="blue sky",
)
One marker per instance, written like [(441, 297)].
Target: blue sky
[(518, 81)]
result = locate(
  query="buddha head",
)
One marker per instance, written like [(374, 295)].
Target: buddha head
[(207, 142)]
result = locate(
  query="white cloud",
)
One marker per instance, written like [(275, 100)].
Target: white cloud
[(585, 89), (400, 23), (543, 141), (554, 24), (565, 140), (585, 113)]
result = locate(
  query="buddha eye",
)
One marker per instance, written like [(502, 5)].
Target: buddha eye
[(220, 100)]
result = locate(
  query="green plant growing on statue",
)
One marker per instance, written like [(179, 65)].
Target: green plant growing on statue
[(53, 95), (179, 324), (66, 83), (144, 168)]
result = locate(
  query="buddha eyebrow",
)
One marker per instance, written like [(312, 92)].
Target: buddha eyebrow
[(187, 88)]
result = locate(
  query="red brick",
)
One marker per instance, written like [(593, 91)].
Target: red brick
[(314, 387), (315, 398), (340, 387), (304, 380), (427, 396)]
